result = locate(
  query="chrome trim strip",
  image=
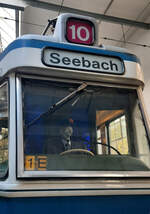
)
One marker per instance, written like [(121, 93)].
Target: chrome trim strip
[(12, 136), (85, 174), (8, 194), (20, 150)]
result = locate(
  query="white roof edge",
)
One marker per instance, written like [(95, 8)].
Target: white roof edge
[(52, 38), (49, 38)]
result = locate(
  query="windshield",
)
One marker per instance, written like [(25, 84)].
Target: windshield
[(96, 129)]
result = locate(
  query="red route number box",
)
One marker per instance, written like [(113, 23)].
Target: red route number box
[(80, 31)]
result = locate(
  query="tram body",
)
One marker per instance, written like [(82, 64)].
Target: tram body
[(74, 132)]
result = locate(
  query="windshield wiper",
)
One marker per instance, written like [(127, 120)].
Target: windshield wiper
[(59, 103)]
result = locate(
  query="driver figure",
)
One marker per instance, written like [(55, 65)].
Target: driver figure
[(61, 140), (65, 134)]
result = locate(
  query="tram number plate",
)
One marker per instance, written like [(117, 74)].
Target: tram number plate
[(33, 162), (82, 61)]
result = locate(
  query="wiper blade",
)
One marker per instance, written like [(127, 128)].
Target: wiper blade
[(59, 103)]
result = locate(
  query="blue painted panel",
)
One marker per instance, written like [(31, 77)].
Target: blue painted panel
[(32, 43), (77, 205)]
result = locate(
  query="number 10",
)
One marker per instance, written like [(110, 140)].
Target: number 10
[(76, 33)]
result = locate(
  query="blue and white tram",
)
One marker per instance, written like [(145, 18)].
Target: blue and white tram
[(74, 133)]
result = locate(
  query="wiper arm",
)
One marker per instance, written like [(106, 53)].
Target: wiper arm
[(59, 103)]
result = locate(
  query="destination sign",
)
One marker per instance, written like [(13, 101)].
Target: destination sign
[(82, 61)]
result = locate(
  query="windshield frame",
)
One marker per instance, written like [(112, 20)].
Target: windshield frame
[(44, 174)]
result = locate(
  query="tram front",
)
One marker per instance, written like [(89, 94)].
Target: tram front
[(77, 121)]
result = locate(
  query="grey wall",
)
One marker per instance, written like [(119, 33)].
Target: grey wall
[(143, 37)]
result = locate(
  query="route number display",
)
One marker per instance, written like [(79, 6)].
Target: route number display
[(80, 31), (33, 162)]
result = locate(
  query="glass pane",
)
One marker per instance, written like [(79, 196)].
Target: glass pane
[(95, 129), (118, 126), (3, 130)]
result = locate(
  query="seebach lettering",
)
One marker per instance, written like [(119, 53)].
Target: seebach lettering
[(83, 62)]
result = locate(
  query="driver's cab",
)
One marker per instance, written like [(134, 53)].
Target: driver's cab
[(71, 110)]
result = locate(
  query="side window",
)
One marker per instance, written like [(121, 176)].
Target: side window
[(118, 135), (3, 129), (112, 130)]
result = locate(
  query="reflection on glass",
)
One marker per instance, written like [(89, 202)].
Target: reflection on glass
[(98, 129), (3, 130), (118, 134), (112, 123)]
